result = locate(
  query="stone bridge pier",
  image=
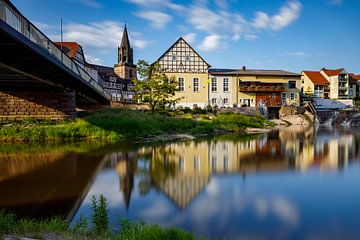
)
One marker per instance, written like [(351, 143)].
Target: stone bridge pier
[(17, 105)]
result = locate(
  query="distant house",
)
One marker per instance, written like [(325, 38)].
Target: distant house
[(117, 80), (254, 87), (330, 83), (118, 88), (74, 51), (314, 84), (339, 82), (354, 85)]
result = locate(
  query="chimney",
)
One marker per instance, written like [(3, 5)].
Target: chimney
[(244, 68)]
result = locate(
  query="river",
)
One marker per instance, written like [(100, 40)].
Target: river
[(297, 183)]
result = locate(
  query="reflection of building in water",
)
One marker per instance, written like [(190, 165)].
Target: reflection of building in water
[(126, 170), (182, 170)]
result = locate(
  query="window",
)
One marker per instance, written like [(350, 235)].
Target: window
[(226, 84), (181, 164), (283, 97), (292, 84), (174, 57), (213, 85), (196, 84), (213, 101), (181, 84), (226, 101), (292, 96), (196, 163), (213, 163), (187, 58)]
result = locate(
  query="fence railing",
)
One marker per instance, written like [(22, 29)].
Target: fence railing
[(16, 20)]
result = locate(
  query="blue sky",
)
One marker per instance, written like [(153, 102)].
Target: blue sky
[(292, 35)]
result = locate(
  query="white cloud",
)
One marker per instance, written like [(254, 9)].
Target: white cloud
[(250, 37), (93, 60), (157, 19), (190, 37), (336, 2), (210, 43), (217, 21), (91, 3), (286, 15), (298, 54), (99, 35), (158, 4)]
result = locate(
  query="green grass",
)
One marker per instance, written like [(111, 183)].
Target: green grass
[(13, 226), (119, 124)]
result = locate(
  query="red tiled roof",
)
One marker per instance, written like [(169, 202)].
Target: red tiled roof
[(70, 48), (354, 78), (331, 72), (316, 78)]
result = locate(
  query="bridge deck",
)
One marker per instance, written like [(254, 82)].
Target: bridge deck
[(29, 59)]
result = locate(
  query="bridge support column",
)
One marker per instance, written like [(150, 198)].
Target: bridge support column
[(52, 104)]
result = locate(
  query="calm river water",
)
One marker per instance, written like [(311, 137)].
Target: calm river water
[(297, 183)]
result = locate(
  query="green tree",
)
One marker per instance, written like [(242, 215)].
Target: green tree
[(154, 87)]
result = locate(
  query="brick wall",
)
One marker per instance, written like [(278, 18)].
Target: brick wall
[(19, 105)]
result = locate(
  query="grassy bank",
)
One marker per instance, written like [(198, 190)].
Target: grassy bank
[(56, 228), (96, 228), (121, 124)]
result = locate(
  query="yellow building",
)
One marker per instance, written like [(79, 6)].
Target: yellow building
[(190, 70), (314, 84), (249, 87), (201, 86)]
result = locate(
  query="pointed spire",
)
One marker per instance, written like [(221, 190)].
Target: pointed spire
[(125, 54), (125, 43)]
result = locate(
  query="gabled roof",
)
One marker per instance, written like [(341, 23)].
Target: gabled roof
[(70, 48), (333, 72), (106, 72), (177, 41), (354, 78), (316, 77), (252, 72)]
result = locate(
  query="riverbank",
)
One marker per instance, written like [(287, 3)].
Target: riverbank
[(128, 125), (12, 228)]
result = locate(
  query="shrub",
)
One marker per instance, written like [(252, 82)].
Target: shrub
[(99, 217)]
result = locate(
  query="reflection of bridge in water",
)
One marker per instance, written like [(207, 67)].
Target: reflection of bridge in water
[(46, 184), (38, 79)]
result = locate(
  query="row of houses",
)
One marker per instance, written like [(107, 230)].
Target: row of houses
[(330, 84), (200, 85)]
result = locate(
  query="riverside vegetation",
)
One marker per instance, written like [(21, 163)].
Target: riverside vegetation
[(114, 124), (98, 228)]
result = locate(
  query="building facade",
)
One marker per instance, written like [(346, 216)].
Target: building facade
[(330, 84), (314, 84), (200, 86), (252, 88), (191, 72)]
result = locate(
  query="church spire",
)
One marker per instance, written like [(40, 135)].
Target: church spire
[(125, 52)]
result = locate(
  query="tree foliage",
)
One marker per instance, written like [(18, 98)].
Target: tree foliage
[(154, 87)]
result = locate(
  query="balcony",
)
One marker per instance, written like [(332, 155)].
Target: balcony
[(260, 88)]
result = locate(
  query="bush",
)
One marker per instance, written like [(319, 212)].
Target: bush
[(187, 110), (99, 218), (231, 121)]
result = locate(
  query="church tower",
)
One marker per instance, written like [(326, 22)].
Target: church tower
[(125, 67)]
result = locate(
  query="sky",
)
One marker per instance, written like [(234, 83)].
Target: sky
[(291, 35)]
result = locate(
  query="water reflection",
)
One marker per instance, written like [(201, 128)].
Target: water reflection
[(295, 183)]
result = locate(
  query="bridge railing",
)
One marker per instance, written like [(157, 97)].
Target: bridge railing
[(16, 20)]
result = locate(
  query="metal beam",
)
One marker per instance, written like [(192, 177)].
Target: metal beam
[(29, 75)]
